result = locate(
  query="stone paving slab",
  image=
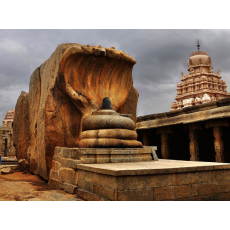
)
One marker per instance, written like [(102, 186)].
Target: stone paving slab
[(161, 166)]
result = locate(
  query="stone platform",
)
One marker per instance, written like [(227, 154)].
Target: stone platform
[(64, 170), (156, 180)]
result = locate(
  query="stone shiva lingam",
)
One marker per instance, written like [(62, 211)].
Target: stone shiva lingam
[(110, 137), (108, 129)]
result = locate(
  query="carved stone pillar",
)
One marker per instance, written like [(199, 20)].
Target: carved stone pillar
[(193, 145), (165, 148), (218, 143), (193, 137), (217, 132)]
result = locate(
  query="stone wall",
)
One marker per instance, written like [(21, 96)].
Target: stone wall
[(64, 170), (140, 181), (64, 173), (207, 182)]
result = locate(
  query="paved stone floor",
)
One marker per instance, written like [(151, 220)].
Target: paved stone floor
[(27, 187), (160, 166)]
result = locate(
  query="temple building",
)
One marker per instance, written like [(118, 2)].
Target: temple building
[(6, 135), (201, 85), (197, 127)]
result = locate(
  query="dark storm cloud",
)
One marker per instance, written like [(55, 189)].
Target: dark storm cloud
[(161, 57)]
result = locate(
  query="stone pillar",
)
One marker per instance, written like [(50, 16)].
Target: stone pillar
[(193, 145), (165, 148), (193, 137), (217, 132), (218, 143)]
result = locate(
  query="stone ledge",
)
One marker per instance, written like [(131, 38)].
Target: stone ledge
[(159, 180), (191, 109), (114, 151), (184, 118), (69, 163), (63, 152), (154, 167), (71, 157), (66, 152)]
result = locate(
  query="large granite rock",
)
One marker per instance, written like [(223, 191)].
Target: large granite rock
[(130, 106), (68, 86), (21, 134)]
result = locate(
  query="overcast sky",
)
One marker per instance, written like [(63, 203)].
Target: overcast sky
[(161, 56)]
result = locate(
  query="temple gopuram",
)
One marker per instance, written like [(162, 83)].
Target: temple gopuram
[(201, 85), (197, 127), (6, 135)]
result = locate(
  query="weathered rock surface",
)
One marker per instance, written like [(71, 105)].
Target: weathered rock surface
[(21, 126), (68, 86), (130, 106)]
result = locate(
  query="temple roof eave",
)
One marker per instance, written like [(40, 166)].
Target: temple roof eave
[(186, 118)]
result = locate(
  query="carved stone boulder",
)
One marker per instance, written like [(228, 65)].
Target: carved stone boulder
[(67, 87)]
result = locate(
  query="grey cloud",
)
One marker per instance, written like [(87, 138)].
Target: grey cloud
[(161, 57)]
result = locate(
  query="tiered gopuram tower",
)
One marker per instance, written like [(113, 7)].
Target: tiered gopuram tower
[(6, 135), (201, 85), (9, 118)]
